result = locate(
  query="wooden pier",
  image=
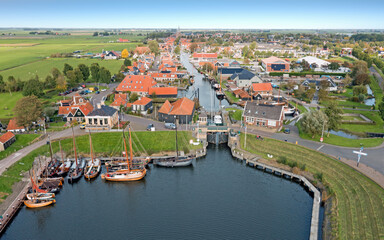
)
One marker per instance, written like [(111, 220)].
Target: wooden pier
[(252, 161)]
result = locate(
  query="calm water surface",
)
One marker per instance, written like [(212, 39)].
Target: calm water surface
[(218, 198)]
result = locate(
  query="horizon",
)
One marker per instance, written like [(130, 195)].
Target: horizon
[(244, 14)]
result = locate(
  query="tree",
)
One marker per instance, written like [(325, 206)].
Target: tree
[(362, 79), (33, 87), (105, 75), (357, 90), (312, 122), (50, 82), (127, 62), (323, 94), (154, 46), (55, 73), (133, 97), (67, 68), (334, 66), (11, 85), (177, 50), (193, 47), (253, 46), (124, 53), (119, 77), (95, 71), (381, 108), (245, 51), (72, 78), (84, 71), (27, 110), (334, 114), (207, 67), (95, 34), (79, 75), (61, 84), (2, 84), (359, 67), (347, 80)]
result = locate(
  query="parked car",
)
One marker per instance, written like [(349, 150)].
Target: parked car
[(287, 131), (170, 125), (97, 92), (150, 127), (103, 90), (82, 125), (96, 88)]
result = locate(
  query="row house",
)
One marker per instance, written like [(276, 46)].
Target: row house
[(102, 118)]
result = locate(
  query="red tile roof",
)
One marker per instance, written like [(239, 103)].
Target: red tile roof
[(141, 50), (86, 108), (243, 94), (183, 106), (163, 75), (136, 83), (204, 55), (12, 125), (166, 108), (163, 91), (6, 137), (257, 87), (64, 110), (143, 101)]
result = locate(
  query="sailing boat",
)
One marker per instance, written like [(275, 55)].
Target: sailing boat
[(124, 175), (53, 164), (76, 170), (38, 199), (219, 93), (65, 166), (176, 161), (93, 166)]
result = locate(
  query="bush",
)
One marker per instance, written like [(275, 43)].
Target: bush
[(292, 164), (319, 176), (186, 150), (282, 159)]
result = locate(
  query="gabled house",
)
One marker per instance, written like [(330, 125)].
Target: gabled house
[(332, 85), (269, 116), (183, 110), (108, 55), (14, 127), (6, 140), (245, 78), (243, 95), (204, 56), (76, 109), (102, 118), (264, 89), (142, 105), (120, 100)]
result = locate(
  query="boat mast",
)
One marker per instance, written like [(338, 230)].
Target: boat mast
[(50, 147), (126, 152), (74, 145), (130, 147), (62, 156), (177, 146), (90, 144)]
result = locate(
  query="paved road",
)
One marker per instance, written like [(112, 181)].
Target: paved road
[(97, 98)]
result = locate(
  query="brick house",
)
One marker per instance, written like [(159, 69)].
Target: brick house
[(6, 140), (102, 118), (183, 109), (275, 64), (269, 116)]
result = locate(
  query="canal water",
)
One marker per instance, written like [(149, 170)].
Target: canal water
[(219, 197), (207, 95)]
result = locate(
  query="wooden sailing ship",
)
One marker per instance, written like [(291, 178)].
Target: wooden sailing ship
[(38, 198), (124, 175), (175, 161), (65, 165), (219, 93), (93, 166), (77, 169)]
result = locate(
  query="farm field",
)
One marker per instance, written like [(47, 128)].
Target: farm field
[(43, 67), (358, 209)]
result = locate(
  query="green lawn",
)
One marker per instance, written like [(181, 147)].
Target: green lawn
[(377, 91), (231, 97), (22, 140), (348, 59), (235, 113), (342, 141), (7, 103), (301, 108), (357, 211), (374, 116)]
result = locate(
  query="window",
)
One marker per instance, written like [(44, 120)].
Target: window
[(89, 120), (249, 119), (105, 121), (95, 121), (101, 121)]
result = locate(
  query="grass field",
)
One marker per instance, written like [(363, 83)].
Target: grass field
[(342, 141), (374, 116), (43, 67), (232, 98), (358, 211), (342, 59), (7, 103), (301, 108), (235, 113), (22, 140), (104, 144)]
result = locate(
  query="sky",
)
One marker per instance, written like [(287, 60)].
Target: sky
[(187, 14)]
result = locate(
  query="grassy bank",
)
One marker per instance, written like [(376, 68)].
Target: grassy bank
[(378, 127), (358, 211), (342, 141), (22, 140), (235, 113), (104, 144), (301, 108)]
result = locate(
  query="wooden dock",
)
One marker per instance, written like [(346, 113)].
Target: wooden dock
[(251, 160)]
